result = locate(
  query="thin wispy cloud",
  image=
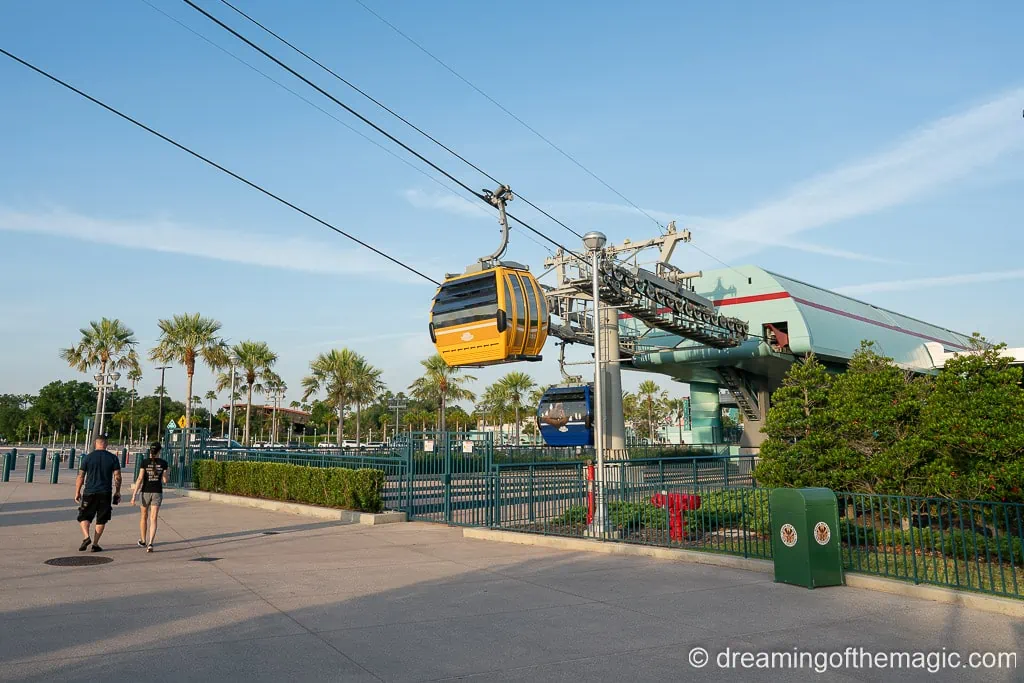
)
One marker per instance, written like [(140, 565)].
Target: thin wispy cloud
[(256, 249), (930, 158), (447, 203), (937, 154), (706, 227), (930, 282)]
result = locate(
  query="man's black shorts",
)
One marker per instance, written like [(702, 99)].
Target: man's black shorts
[(95, 505)]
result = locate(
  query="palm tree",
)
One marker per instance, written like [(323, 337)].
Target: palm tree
[(106, 345), (441, 384), (677, 408), (134, 376), (185, 339), (651, 397), (254, 359), (366, 386), (211, 396), (517, 386), (495, 402), (275, 386), (332, 373)]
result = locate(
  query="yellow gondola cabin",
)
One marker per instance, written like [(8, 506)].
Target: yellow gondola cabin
[(492, 316)]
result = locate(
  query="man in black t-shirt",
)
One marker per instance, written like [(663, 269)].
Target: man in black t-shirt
[(153, 474), (100, 474)]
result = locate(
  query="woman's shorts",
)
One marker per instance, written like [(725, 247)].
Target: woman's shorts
[(149, 499)]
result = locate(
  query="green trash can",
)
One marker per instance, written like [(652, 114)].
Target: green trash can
[(805, 537)]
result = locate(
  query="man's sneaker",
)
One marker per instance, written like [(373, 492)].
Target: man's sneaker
[(142, 544), (96, 548), (85, 544), (149, 548)]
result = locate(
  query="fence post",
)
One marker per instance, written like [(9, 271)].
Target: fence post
[(726, 463), (55, 468), (743, 520), (71, 459), (7, 466), (14, 459), (30, 468), (497, 502), (42, 460), (530, 493), (138, 465), (124, 458)]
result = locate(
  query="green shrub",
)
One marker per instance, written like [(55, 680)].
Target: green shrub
[(632, 516), (327, 486), (965, 545), (732, 508), (575, 515)]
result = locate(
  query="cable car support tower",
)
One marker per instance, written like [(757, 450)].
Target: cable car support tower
[(663, 299)]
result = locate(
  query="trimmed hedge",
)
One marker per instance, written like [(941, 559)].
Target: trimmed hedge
[(327, 486)]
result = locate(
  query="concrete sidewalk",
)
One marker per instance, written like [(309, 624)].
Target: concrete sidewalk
[(287, 598)]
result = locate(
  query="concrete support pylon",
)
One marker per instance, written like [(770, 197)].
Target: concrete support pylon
[(611, 382)]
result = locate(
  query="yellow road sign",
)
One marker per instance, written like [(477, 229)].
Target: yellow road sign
[(181, 422)]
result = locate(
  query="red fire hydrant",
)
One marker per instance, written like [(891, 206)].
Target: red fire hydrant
[(590, 493), (678, 503)]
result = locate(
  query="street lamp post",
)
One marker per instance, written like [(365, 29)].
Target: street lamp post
[(104, 381), (396, 403), (277, 395), (160, 410), (233, 359), (594, 242)]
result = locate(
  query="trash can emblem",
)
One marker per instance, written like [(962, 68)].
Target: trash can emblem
[(788, 535), (822, 533)]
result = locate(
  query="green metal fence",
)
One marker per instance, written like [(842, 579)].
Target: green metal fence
[(974, 545), (970, 545)]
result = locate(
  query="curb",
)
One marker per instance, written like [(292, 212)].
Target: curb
[(349, 516), (609, 548), (948, 596)]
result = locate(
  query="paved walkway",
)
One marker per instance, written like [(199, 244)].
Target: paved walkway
[(286, 598)]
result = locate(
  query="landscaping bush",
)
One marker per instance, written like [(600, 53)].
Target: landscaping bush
[(621, 515), (633, 516), (327, 486), (732, 508), (575, 515), (950, 542)]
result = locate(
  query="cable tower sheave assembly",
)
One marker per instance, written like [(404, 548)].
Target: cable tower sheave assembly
[(662, 300), (493, 313)]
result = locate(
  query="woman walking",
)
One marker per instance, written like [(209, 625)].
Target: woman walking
[(153, 473)]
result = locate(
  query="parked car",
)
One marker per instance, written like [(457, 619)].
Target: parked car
[(223, 443)]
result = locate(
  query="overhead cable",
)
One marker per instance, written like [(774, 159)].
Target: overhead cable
[(384, 107), (502, 107), (323, 111), (368, 122), (209, 161)]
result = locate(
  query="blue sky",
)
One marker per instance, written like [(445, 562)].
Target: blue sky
[(878, 150)]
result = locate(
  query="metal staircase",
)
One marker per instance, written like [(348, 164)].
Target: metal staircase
[(745, 395)]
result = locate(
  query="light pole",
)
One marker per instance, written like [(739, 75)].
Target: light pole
[(160, 410), (233, 360), (396, 403), (277, 394), (104, 381), (594, 242)]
